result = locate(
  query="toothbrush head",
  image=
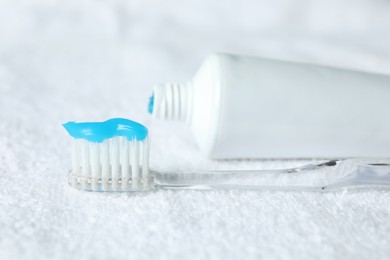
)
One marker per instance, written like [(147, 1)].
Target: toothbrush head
[(110, 156)]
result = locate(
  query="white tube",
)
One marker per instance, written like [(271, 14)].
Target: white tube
[(246, 107)]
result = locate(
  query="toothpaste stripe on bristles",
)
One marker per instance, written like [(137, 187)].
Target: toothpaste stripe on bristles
[(110, 156)]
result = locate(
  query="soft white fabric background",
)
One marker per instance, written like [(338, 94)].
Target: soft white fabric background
[(92, 60)]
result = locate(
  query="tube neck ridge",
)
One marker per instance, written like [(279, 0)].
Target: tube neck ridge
[(172, 102)]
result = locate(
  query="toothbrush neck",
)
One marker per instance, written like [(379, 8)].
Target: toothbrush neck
[(173, 102)]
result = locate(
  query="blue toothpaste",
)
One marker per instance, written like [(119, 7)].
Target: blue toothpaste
[(151, 104), (100, 131)]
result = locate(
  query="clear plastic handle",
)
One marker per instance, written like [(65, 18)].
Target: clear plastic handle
[(312, 177)]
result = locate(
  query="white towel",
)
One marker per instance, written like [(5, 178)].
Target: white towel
[(93, 60)]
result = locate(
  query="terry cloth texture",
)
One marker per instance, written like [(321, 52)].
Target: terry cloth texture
[(89, 60)]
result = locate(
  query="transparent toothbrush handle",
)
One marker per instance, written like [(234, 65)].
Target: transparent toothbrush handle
[(371, 174), (321, 177)]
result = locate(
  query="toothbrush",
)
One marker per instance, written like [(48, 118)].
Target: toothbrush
[(110, 156), (114, 156)]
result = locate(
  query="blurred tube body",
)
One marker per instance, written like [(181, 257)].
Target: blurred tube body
[(248, 107)]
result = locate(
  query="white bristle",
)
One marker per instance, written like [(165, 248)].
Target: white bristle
[(76, 156), (124, 160), (114, 159), (85, 162), (135, 164), (145, 162), (105, 163), (95, 164), (116, 164)]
